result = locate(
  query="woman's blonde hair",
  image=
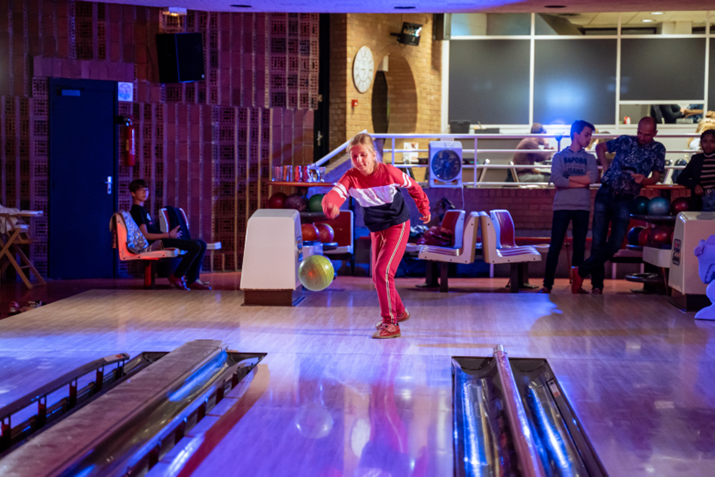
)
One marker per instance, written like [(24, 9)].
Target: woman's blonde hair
[(363, 139)]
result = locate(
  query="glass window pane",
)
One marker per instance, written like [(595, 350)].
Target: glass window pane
[(663, 23), (669, 69), (508, 24), (489, 81), (711, 87), (575, 80)]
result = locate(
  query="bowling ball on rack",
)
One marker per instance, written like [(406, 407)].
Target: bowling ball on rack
[(315, 203), (661, 235), (310, 232), (277, 200), (640, 206), (297, 202), (633, 235), (681, 204), (643, 236), (316, 273), (326, 234), (658, 206)]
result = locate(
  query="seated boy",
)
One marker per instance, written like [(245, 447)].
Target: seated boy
[(191, 261)]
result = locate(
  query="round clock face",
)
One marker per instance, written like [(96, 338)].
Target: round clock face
[(363, 69)]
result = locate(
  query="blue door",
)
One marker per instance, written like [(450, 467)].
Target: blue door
[(83, 171)]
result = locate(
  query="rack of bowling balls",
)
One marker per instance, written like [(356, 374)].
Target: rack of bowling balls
[(311, 208), (660, 212)]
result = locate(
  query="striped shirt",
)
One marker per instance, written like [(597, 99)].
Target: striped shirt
[(707, 176), (379, 196)]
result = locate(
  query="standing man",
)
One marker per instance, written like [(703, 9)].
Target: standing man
[(573, 170), (530, 158), (636, 158)]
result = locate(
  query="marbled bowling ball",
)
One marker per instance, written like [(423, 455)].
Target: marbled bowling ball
[(315, 203), (633, 235), (681, 204), (297, 202), (277, 200), (643, 236), (661, 235), (310, 232), (326, 234), (640, 206), (316, 273), (658, 206)]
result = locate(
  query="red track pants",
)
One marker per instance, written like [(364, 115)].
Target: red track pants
[(388, 247)]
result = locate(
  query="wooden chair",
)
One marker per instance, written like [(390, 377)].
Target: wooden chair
[(462, 250), (18, 233), (149, 258), (517, 257), (483, 172), (211, 247)]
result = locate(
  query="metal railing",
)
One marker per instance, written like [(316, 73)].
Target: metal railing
[(476, 151)]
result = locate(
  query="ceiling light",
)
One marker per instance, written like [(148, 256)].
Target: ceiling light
[(241, 6), (555, 6), (656, 13), (647, 20), (406, 7)]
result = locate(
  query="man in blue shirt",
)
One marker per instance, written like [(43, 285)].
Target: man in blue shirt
[(636, 158)]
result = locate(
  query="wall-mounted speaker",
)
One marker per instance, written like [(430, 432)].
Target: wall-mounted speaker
[(181, 57)]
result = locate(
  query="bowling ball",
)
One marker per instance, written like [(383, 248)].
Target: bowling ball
[(297, 202), (661, 235), (681, 204), (658, 206), (277, 200), (643, 237), (316, 273), (633, 235), (310, 232), (641, 205), (326, 234), (315, 203)]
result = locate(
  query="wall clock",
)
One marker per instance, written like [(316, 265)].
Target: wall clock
[(363, 69)]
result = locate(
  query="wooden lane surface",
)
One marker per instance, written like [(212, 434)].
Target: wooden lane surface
[(636, 369)]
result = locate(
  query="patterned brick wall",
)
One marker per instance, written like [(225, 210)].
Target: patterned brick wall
[(413, 78), (207, 146)]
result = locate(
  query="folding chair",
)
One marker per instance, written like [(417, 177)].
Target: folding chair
[(17, 233)]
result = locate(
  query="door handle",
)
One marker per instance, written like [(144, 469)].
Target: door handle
[(109, 184)]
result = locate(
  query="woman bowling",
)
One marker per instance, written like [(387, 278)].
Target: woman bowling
[(375, 187)]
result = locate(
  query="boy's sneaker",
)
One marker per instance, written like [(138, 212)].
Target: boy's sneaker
[(403, 317), (199, 285), (177, 282), (387, 331), (546, 290), (597, 291)]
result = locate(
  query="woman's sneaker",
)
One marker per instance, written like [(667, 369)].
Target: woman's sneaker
[(403, 317), (387, 331)]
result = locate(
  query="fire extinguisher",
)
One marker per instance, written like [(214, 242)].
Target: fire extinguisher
[(130, 143)]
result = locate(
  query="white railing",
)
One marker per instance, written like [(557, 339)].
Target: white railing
[(393, 138)]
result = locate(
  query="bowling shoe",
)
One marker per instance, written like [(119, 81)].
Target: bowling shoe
[(546, 290), (403, 317), (199, 285), (177, 282), (387, 331), (597, 291)]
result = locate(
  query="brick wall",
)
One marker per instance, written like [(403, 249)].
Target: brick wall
[(413, 77), (206, 146)]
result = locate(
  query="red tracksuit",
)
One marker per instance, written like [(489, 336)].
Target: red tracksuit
[(388, 219)]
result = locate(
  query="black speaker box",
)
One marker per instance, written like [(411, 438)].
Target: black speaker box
[(181, 57)]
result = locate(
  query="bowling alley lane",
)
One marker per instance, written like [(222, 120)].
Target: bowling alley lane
[(328, 400)]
